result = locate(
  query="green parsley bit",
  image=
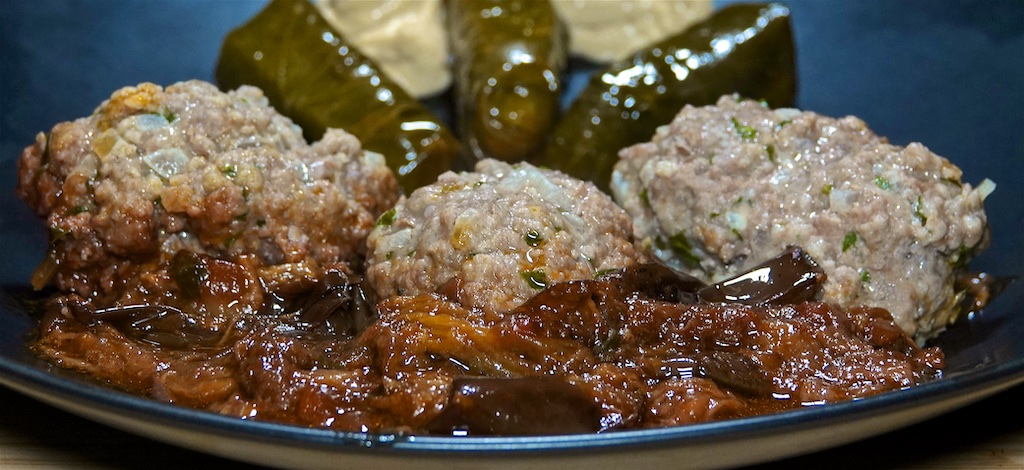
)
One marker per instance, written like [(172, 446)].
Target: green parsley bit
[(533, 238), (746, 132), (882, 182), (963, 257), (536, 279), (78, 210), (680, 245), (230, 171), (919, 211), (166, 114), (231, 240), (771, 152), (386, 218), (827, 189), (849, 240), (604, 272), (781, 124), (57, 233), (865, 276), (645, 198)]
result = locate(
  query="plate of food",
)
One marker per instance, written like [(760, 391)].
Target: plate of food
[(489, 233)]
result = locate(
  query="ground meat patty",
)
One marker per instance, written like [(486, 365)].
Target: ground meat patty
[(154, 171), (504, 231), (723, 187)]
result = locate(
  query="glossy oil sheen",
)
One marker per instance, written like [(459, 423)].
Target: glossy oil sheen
[(510, 57)]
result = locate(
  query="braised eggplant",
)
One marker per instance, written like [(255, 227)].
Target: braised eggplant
[(789, 278), (310, 73), (510, 56), (745, 49), (530, 405)]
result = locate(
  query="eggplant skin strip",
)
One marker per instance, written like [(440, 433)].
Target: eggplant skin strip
[(311, 74), (509, 59), (745, 49)]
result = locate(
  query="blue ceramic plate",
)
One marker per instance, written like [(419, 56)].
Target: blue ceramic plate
[(949, 74)]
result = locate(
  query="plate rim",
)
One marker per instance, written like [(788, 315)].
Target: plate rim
[(21, 376)]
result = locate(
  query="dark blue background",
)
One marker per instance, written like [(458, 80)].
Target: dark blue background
[(948, 73)]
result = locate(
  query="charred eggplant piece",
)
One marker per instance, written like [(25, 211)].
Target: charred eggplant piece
[(189, 271), (789, 278), (159, 325), (658, 281), (745, 49), (510, 56), (338, 301), (311, 74), (517, 406), (736, 372)]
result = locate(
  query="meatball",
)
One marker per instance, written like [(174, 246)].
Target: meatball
[(724, 187), (156, 171), (504, 232)]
